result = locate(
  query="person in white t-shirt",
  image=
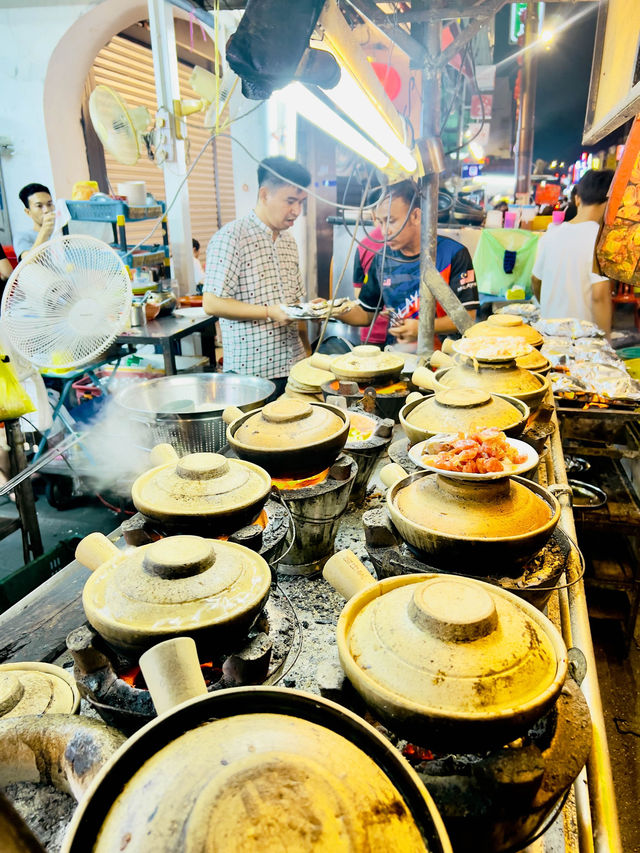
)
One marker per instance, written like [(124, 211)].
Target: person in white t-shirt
[(564, 277)]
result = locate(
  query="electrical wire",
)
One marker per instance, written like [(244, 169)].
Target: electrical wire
[(476, 90)]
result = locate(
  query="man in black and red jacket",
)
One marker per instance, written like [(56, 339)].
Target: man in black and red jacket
[(393, 280)]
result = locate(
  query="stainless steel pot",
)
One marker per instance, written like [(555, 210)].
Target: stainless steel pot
[(186, 411)]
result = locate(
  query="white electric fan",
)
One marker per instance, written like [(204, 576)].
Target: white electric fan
[(65, 303), (121, 129), (126, 131)]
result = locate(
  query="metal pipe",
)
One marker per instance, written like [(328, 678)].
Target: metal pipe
[(604, 814), (430, 128), (524, 146)]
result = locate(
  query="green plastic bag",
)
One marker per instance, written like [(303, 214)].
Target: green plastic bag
[(488, 261), (14, 400)]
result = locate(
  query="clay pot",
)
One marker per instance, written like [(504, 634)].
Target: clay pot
[(181, 585), (492, 377), (502, 325), (201, 489), (447, 662), (461, 410), (365, 363), (289, 438), (490, 527), (255, 769)]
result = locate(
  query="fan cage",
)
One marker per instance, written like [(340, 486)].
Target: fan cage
[(66, 303)]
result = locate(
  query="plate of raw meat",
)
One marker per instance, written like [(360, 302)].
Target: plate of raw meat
[(484, 454)]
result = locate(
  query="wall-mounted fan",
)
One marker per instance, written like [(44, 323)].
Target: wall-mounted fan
[(126, 132)]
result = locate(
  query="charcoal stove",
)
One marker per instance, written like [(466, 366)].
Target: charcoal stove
[(316, 505), (369, 436), (115, 688), (267, 535), (386, 400), (538, 577), (498, 800)]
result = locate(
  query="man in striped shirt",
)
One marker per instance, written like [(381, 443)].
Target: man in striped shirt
[(252, 270)]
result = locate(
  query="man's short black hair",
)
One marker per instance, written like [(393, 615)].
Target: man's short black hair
[(31, 189), (406, 190), (593, 186), (195, 243), (279, 171)]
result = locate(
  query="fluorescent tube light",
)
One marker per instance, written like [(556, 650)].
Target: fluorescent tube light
[(353, 101), (316, 111)]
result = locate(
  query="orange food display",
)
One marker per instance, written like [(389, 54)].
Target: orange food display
[(481, 452), (619, 245)]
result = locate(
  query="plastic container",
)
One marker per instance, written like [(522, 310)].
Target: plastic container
[(22, 581), (557, 217), (510, 219)]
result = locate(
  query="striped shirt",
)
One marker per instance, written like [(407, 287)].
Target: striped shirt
[(244, 262)]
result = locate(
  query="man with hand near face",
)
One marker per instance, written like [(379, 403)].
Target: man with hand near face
[(252, 269), (393, 280), (40, 208)]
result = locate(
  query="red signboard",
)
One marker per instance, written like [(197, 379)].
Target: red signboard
[(477, 104)]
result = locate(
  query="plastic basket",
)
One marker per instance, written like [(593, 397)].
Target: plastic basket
[(106, 210), (22, 581)]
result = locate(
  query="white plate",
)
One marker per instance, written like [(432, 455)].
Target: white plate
[(190, 312), (415, 454)]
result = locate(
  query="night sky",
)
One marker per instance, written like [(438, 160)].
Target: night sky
[(563, 80)]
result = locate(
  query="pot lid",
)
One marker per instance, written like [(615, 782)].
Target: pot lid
[(505, 378), (504, 325), (455, 646), (309, 377), (36, 688), (279, 423), (179, 583), (488, 510), (533, 361), (463, 410), (268, 782), (200, 484), (367, 360)]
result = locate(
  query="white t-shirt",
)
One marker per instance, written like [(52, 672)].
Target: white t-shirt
[(564, 264)]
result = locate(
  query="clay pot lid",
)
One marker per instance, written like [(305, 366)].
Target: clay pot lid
[(485, 510), (455, 646), (260, 781), (179, 583), (279, 423), (533, 361), (309, 377), (510, 321), (504, 378), (36, 688), (463, 410), (368, 360), (462, 398), (203, 484), (505, 324)]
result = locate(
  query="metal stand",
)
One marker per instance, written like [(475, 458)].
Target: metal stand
[(25, 501)]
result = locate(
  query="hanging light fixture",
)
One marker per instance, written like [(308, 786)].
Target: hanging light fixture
[(353, 101), (312, 108)]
